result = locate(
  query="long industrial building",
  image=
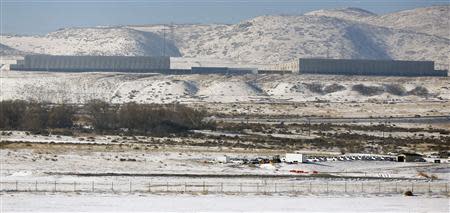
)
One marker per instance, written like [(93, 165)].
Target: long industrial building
[(159, 64), (92, 63), (361, 67)]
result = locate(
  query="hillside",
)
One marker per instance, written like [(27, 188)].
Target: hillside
[(350, 13), (272, 39), (149, 88), (93, 41), (8, 51), (341, 33), (429, 20)]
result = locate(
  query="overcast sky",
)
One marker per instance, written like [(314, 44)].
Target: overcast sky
[(42, 16)]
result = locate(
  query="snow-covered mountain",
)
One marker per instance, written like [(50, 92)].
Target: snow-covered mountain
[(349, 13), (5, 50), (429, 20), (419, 34), (94, 41)]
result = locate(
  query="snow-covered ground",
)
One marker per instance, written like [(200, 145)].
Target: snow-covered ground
[(419, 34), (20, 202), (152, 88), (50, 155)]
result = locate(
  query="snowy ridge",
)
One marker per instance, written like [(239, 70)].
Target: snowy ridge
[(342, 33), (349, 13), (8, 51), (148, 88), (419, 34), (429, 20), (94, 41)]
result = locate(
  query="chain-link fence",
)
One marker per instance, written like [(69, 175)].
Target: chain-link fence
[(332, 187)]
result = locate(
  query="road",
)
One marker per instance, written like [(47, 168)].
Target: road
[(318, 120)]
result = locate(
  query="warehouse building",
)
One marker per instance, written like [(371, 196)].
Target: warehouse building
[(361, 67), (92, 63), (223, 70)]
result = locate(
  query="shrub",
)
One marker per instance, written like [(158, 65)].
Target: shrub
[(61, 116), (408, 193), (35, 117), (11, 113), (315, 87), (395, 89), (368, 90), (419, 91), (333, 88), (102, 115)]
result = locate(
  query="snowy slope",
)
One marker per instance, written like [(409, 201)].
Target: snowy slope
[(342, 33), (8, 51), (349, 13), (149, 88), (418, 34), (429, 20), (93, 41)]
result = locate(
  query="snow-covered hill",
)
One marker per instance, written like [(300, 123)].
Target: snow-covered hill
[(419, 34), (429, 20), (350, 13), (94, 41), (8, 51), (341, 33), (149, 88)]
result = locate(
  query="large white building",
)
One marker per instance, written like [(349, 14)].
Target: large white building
[(92, 63)]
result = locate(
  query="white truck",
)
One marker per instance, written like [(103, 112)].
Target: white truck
[(295, 158)]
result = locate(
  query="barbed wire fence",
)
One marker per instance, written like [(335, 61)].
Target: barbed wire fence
[(290, 188)]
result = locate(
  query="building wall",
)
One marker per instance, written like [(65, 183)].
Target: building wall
[(289, 67), (93, 63), (368, 67), (223, 70)]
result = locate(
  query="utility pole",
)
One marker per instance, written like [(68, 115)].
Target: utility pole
[(328, 51), (309, 126), (164, 36), (172, 32)]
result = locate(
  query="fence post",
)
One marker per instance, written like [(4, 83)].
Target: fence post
[(257, 188), (275, 187), (265, 187), (149, 187), (379, 187), (446, 187), (327, 188), (74, 186), (130, 186), (17, 185), (345, 187), (362, 187), (429, 187), (112, 186), (221, 187), (396, 187), (204, 187), (54, 189), (167, 186), (412, 187), (35, 186), (293, 188), (240, 188), (185, 187), (310, 187)]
